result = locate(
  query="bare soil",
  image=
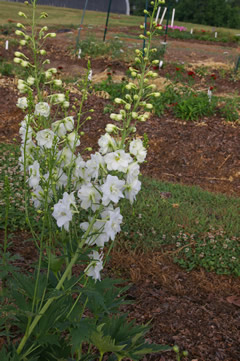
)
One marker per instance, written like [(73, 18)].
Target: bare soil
[(194, 310)]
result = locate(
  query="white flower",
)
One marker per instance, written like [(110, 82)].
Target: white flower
[(34, 172), (45, 138), (63, 212), (112, 226), (37, 196), (69, 123), (132, 171), (59, 128), (136, 148), (42, 109), (106, 144), (25, 131), (30, 80), (95, 164), (66, 156), (89, 196), (58, 98), (79, 171), (118, 160), (97, 235), (61, 179), (22, 103), (112, 189), (132, 190), (73, 140), (95, 266)]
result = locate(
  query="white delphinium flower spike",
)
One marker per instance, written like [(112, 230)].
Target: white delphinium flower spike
[(132, 189), (95, 164)]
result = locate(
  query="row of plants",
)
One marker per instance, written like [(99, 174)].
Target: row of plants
[(184, 102)]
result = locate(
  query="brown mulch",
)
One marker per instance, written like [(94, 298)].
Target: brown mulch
[(192, 309)]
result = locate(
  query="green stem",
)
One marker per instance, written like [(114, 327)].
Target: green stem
[(58, 287)]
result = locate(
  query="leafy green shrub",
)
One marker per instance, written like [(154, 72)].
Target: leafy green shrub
[(229, 110), (93, 47), (192, 106)]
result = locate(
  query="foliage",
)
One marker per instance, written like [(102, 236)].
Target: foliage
[(94, 48), (51, 312)]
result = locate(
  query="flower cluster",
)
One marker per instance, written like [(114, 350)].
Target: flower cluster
[(76, 192)]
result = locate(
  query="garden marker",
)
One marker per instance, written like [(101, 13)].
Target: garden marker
[(90, 75), (157, 16), (79, 53), (173, 15), (80, 28), (160, 64), (163, 14), (6, 45), (215, 34), (191, 31), (108, 13)]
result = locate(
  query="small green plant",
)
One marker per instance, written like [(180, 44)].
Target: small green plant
[(229, 110), (193, 106), (94, 47), (6, 68)]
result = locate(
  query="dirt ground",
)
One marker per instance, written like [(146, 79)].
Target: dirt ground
[(195, 310)]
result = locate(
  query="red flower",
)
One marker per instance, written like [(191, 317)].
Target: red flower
[(177, 69), (191, 73), (203, 31), (213, 76), (109, 74), (155, 67), (60, 67), (211, 88)]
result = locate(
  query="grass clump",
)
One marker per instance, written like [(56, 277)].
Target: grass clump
[(197, 227)]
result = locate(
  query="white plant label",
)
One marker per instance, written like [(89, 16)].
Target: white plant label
[(191, 31), (160, 64), (79, 53), (6, 45), (215, 34), (90, 75)]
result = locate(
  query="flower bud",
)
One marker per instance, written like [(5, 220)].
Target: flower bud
[(30, 80), (118, 100), (65, 104), (141, 36), (42, 52), (17, 60), (19, 25), (176, 349), (57, 82), (127, 106), (148, 33), (20, 13), (110, 128), (133, 74), (149, 106), (22, 42), (19, 32), (135, 97), (24, 63), (137, 60), (145, 12), (134, 115)]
